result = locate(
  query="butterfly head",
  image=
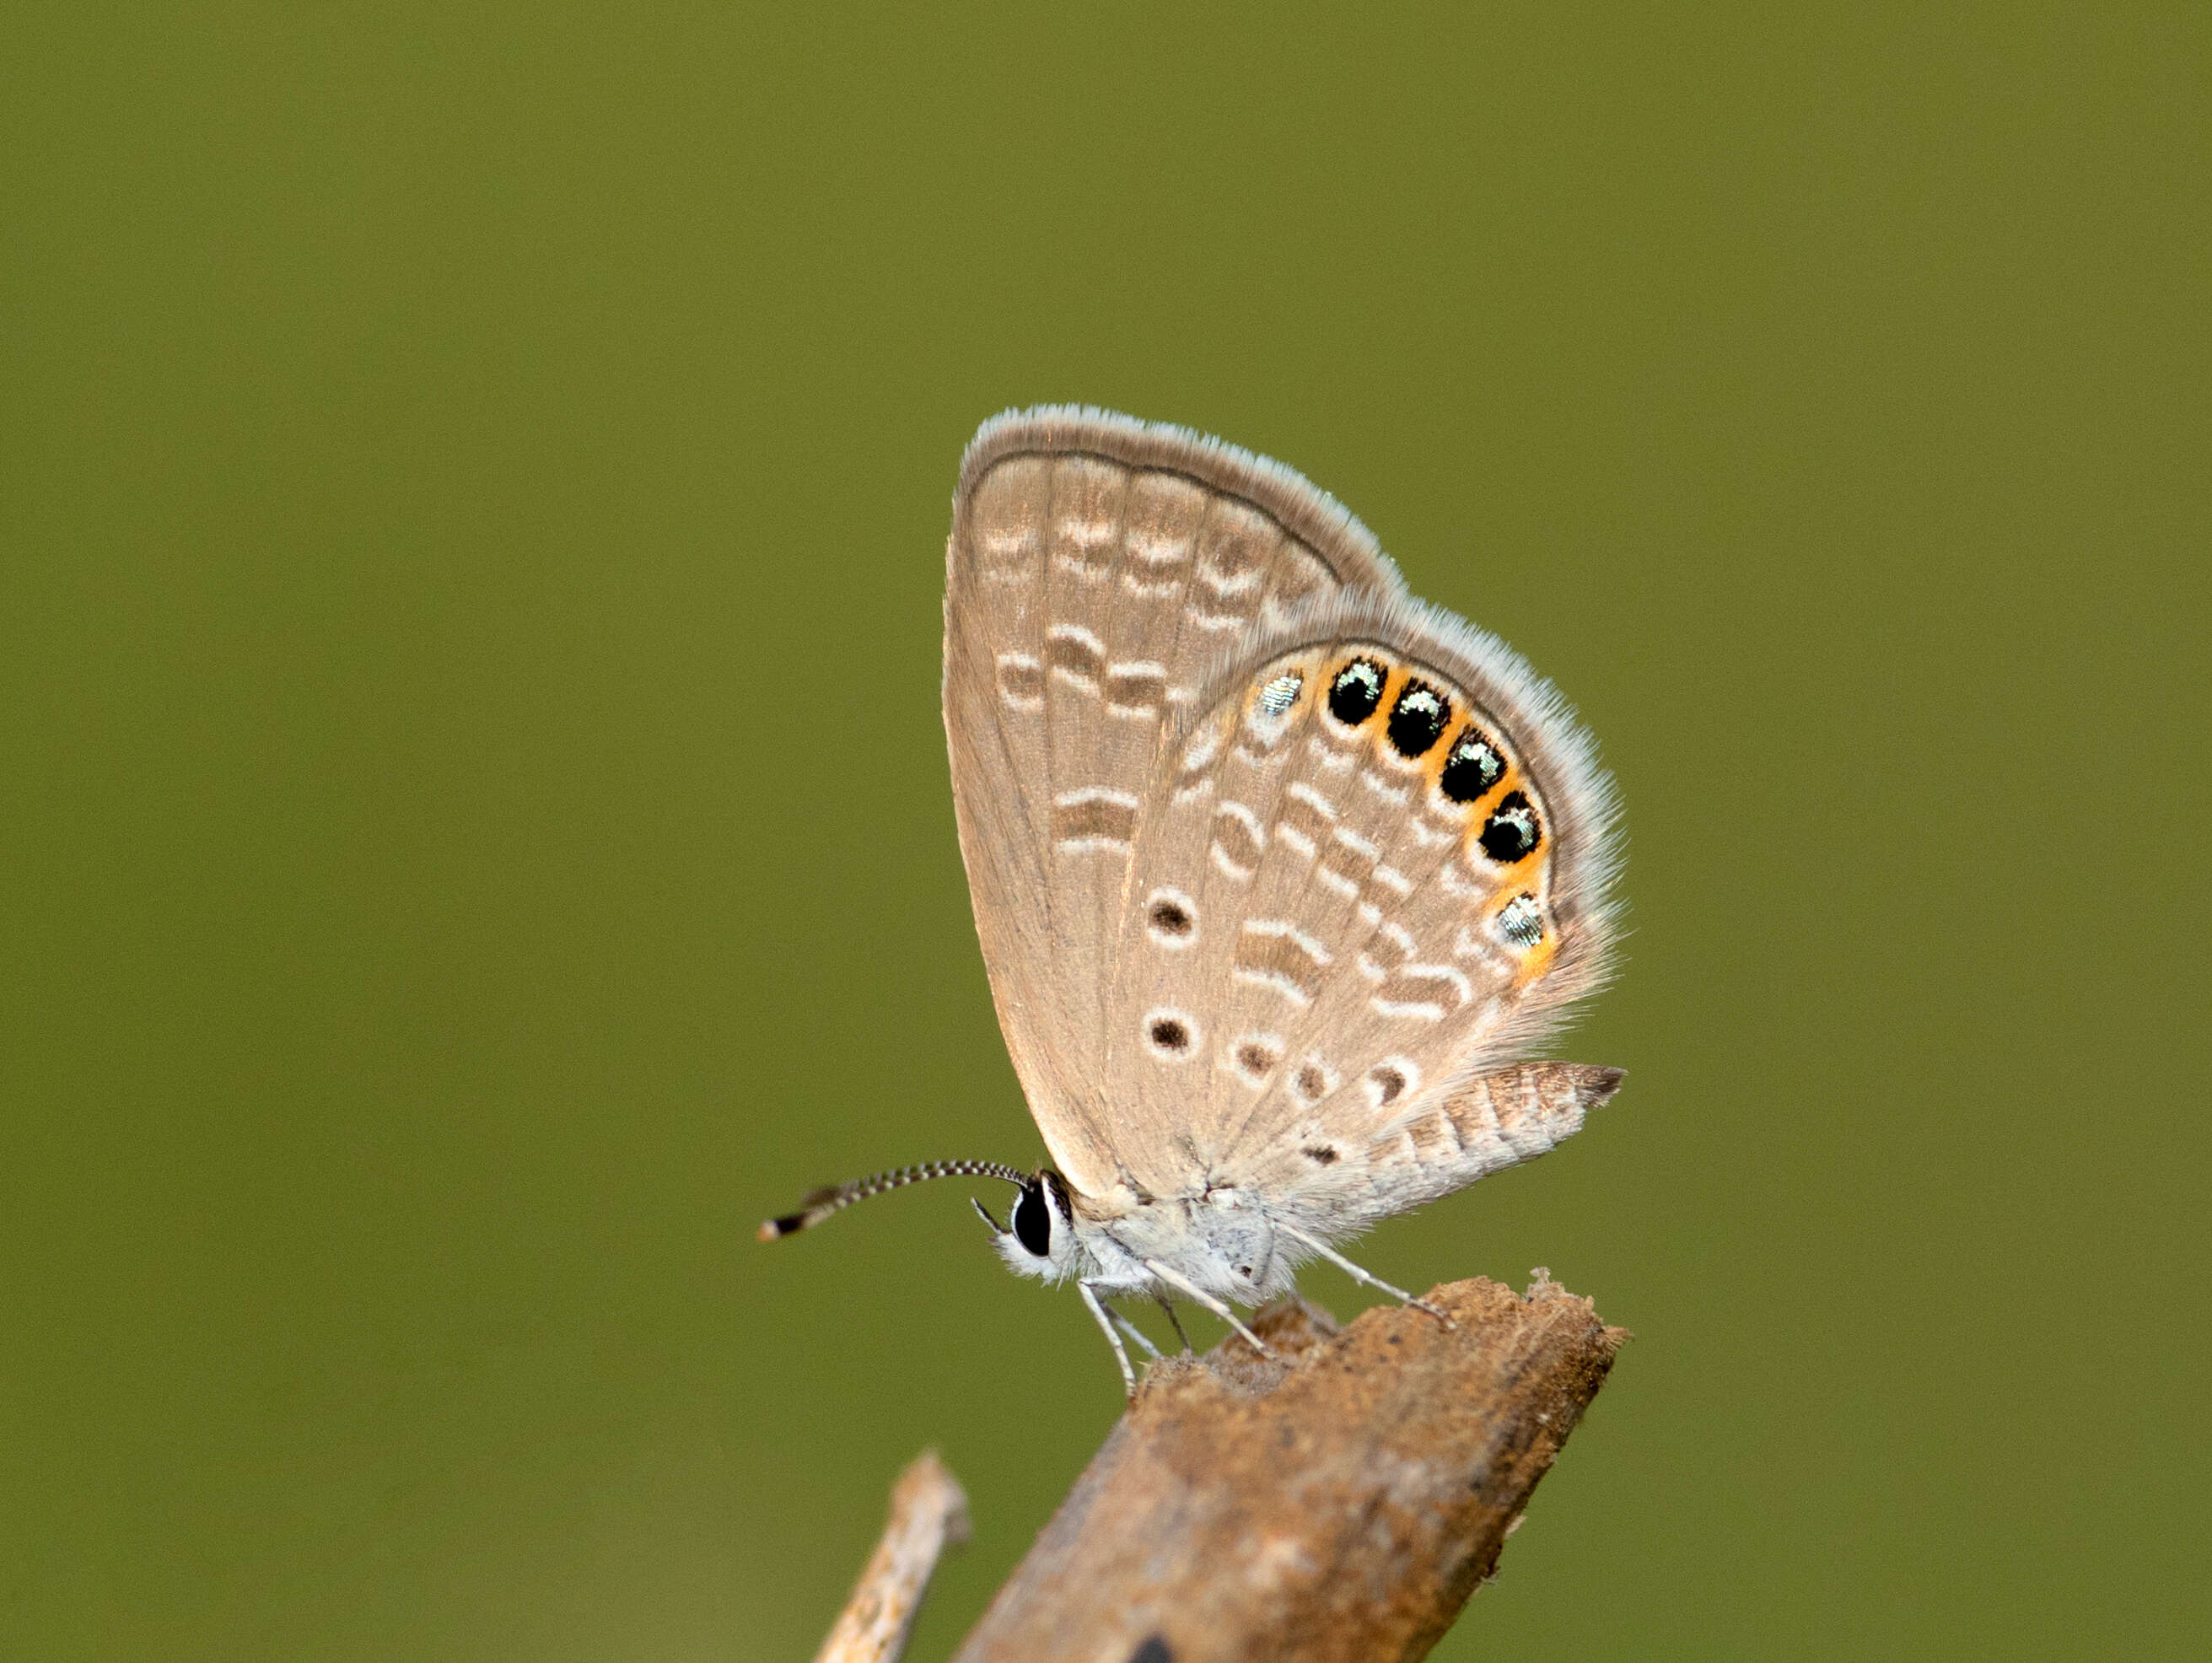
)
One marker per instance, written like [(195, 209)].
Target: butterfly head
[(1038, 1238)]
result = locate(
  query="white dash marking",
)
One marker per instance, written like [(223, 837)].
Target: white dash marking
[(1410, 1009), (1353, 841), (1383, 789), (1082, 637), (1282, 929), (1281, 982), (1156, 551)]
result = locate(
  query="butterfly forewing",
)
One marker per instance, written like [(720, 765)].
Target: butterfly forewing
[(1373, 860), (1099, 569)]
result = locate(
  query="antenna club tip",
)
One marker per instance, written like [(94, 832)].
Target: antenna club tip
[(768, 1231)]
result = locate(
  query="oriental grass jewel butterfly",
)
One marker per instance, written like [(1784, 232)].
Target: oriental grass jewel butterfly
[(1280, 872)]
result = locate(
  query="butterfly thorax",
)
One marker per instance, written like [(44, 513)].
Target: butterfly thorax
[(1221, 1240)]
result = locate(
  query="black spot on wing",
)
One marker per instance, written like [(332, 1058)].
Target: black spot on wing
[(1356, 691), (1417, 719), (1473, 767), (1513, 831)]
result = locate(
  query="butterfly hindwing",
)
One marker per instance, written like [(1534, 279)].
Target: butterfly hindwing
[(1374, 864)]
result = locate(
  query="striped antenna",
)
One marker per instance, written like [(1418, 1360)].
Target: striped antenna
[(823, 1202)]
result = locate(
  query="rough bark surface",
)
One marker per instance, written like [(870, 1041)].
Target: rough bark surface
[(1340, 1501)]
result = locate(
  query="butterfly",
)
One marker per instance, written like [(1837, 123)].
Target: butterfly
[(1280, 872)]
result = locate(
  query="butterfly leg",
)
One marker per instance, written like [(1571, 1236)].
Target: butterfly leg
[(1362, 1276), (1173, 1322), (1121, 1356), (1133, 1332), (1207, 1300)]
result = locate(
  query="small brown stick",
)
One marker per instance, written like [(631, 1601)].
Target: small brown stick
[(929, 1513), (1338, 1502)]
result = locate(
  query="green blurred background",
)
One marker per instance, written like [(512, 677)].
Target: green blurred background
[(476, 837)]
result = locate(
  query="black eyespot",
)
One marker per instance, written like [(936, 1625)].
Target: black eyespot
[(1513, 831), (1389, 1083), (1356, 691), (1419, 718), (1312, 1083), (1256, 1058), (1321, 1155), (1169, 917), (1033, 1221), (1473, 767), (1170, 1034)]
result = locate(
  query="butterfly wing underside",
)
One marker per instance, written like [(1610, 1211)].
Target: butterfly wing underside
[(1374, 868), (1100, 570)]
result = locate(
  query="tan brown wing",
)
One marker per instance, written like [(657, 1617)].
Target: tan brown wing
[(1098, 568), (1377, 865), (1336, 1185)]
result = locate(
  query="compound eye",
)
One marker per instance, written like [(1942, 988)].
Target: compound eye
[(1033, 1221)]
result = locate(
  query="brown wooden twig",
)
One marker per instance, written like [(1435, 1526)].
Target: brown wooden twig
[(929, 1513), (1338, 1503)]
